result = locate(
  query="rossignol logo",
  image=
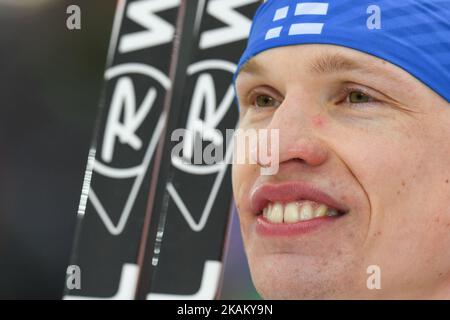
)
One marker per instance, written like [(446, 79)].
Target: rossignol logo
[(124, 131), (188, 150), (301, 9)]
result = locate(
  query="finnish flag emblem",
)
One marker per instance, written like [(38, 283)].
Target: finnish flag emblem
[(301, 9)]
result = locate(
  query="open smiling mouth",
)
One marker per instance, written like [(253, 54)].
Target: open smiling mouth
[(302, 210), (293, 208)]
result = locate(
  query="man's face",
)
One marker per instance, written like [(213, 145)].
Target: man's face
[(366, 138)]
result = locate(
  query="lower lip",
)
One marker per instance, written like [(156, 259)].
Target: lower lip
[(267, 228)]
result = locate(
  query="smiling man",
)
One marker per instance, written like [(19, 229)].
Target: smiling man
[(359, 92)]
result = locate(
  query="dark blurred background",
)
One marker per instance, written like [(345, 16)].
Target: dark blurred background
[(50, 80)]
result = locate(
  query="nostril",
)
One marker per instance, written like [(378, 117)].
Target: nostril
[(296, 160)]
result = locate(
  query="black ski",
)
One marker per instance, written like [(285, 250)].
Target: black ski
[(118, 175), (189, 206)]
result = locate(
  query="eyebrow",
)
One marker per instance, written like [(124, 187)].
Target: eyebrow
[(326, 64), (252, 67)]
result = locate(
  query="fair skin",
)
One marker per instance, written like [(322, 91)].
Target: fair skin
[(373, 137)]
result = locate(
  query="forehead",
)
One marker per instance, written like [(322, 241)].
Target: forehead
[(322, 60)]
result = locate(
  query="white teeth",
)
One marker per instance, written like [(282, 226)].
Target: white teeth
[(296, 211), (321, 211), (306, 212), (275, 213), (291, 213)]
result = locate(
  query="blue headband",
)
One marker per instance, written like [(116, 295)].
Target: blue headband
[(412, 34)]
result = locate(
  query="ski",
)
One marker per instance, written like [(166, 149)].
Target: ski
[(118, 174), (190, 202), (152, 222)]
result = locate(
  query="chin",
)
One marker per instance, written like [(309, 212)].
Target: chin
[(293, 277)]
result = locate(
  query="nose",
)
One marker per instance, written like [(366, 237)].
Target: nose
[(298, 138)]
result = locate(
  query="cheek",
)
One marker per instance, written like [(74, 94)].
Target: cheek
[(243, 175), (381, 161), (403, 182), (245, 170)]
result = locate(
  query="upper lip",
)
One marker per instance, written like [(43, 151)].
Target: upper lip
[(288, 192)]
